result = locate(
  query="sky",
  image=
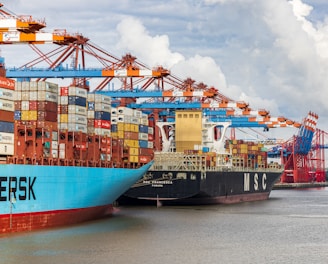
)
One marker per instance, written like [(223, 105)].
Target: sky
[(270, 54)]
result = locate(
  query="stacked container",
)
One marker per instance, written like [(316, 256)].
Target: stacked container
[(132, 135), (7, 108), (99, 111), (99, 115), (73, 109)]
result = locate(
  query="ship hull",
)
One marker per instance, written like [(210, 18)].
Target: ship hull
[(195, 187), (34, 197)]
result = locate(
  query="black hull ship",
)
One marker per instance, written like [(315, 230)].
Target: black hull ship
[(214, 171)]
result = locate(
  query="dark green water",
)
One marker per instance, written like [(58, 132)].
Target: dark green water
[(290, 227)]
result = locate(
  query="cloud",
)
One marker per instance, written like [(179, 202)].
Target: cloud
[(153, 51)]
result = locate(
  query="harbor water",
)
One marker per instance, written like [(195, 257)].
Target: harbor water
[(290, 227)]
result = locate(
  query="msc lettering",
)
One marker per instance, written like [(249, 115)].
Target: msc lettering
[(19, 188)]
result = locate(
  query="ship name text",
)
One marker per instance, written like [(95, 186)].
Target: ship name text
[(158, 183), (17, 188), (259, 182)]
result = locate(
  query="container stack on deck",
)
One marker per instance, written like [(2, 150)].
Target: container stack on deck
[(7, 88), (248, 154), (41, 123), (132, 135)]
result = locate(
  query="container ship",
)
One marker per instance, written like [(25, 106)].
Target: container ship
[(198, 166), (62, 158)]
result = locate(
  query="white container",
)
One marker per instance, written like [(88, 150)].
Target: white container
[(143, 136), (101, 98), (25, 105), (77, 91), (102, 131), (102, 107), (150, 130), (91, 114), (150, 144), (63, 126), (125, 110), (18, 96), (25, 95), (135, 120), (76, 109), (7, 105), (47, 96), (6, 149), (62, 154), (137, 113), (61, 146), (6, 138), (25, 86), (77, 119), (54, 135), (33, 86), (54, 153), (18, 86), (54, 144), (7, 94), (144, 122), (77, 128), (33, 95), (48, 87), (63, 100)]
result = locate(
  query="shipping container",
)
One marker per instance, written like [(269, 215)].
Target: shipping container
[(7, 105), (102, 115), (47, 96), (77, 100), (7, 83), (77, 91), (6, 138), (6, 149), (7, 94), (7, 116), (76, 109)]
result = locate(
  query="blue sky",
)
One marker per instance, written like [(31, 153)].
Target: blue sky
[(271, 54)]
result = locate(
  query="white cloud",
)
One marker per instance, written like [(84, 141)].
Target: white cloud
[(153, 51)]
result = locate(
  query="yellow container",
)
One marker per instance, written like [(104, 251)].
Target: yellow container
[(134, 158), (63, 118), (120, 134), (134, 128), (120, 126), (127, 127), (131, 143), (133, 151)]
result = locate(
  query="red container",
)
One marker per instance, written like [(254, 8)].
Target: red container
[(47, 116), (47, 106), (145, 151), (63, 109), (150, 137), (144, 159), (47, 125), (33, 105), (131, 135), (7, 83), (18, 105), (63, 91), (6, 116)]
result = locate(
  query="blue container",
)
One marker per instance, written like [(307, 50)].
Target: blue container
[(143, 143), (91, 106), (101, 115), (114, 128), (206, 149), (7, 127), (143, 128), (17, 115), (77, 100)]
